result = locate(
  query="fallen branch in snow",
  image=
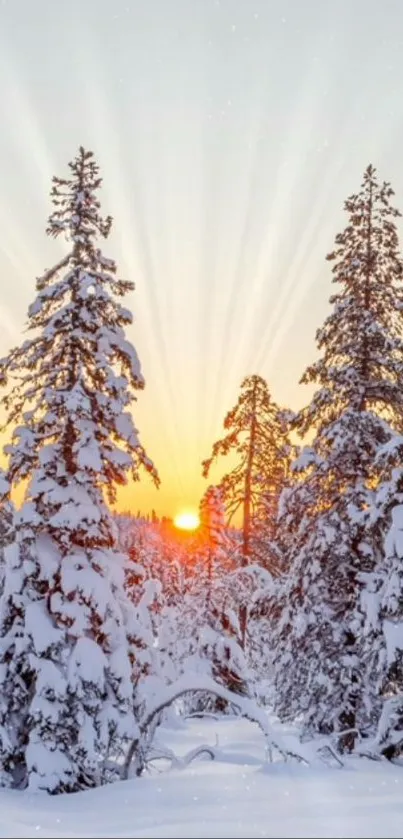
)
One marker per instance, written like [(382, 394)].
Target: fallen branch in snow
[(182, 762), (139, 748), (193, 754), (199, 715), (368, 754)]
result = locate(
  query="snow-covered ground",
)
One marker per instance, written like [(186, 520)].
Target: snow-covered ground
[(236, 796)]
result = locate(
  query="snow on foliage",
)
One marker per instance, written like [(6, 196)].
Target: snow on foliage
[(107, 622), (329, 537), (6, 522), (385, 652), (69, 635)]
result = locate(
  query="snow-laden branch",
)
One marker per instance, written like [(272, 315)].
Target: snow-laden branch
[(187, 684)]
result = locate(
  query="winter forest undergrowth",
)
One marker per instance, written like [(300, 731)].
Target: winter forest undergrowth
[(115, 628)]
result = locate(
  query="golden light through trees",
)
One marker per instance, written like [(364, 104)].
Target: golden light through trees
[(187, 520)]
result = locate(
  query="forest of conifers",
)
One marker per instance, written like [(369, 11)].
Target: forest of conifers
[(108, 622)]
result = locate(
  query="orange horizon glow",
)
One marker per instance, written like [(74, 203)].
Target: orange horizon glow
[(187, 520)]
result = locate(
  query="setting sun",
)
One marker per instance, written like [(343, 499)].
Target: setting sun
[(187, 521)]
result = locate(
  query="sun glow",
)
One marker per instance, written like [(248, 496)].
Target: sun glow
[(187, 521)]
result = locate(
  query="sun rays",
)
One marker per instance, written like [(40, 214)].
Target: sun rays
[(224, 141)]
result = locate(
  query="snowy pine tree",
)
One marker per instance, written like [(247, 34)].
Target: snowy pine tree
[(388, 672), (213, 533), (6, 523), (327, 530), (216, 626), (68, 634), (257, 433), (383, 607)]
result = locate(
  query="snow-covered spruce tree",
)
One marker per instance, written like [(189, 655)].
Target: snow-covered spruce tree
[(383, 607), (326, 531), (257, 434), (214, 546), (217, 628), (68, 634), (6, 523)]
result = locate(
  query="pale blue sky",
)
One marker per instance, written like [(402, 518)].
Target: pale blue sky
[(229, 132)]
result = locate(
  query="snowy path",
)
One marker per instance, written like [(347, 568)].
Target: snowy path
[(233, 797)]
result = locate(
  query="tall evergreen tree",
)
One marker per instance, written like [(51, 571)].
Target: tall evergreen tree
[(327, 527), (213, 533), (257, 434), (383, 608), (216, 627), (68, 635), (6, 523)]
